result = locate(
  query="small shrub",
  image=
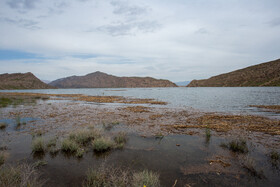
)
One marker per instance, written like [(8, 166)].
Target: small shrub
[(146, 178), (38, 145), (53, 151), (3, 125), (102, 144), (69, 145), (239, 146)]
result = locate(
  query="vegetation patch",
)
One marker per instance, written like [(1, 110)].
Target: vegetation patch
[(69, 145), (102, 144), (137, 109), (120, 139), (109, 176), (238, 146), (274, 157), (2, 158), (146, 178), (84, 136), (21, 175), (250, 166), (38, 145)]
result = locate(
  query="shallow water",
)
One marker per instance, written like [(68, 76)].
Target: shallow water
[(232, 99)]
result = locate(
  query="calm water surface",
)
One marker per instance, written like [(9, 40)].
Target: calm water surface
[(234, 100)]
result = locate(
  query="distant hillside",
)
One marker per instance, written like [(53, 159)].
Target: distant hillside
[(103, 80), (21, 81), (265, 74), (183, 83)]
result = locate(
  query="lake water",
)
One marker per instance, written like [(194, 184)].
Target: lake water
[(233, 99)]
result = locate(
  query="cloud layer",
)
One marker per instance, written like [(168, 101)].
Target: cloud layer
[(176, 40)]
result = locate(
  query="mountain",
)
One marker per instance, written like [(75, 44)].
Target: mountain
[(103, 80), (21, 81), (182, 83), (265, 74), (46, 81)]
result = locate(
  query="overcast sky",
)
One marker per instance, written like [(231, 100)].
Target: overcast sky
[(169, 39)]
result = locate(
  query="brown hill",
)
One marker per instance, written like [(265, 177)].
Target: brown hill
[(103, 80), (265, 74), (21, 81)]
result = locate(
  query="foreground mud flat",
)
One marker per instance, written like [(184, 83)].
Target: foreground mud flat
[(183, 147)]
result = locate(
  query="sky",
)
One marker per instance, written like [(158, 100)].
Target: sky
[(179, 40)]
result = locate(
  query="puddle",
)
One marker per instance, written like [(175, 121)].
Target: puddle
[(17, 124)]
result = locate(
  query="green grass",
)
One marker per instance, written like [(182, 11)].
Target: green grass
[(102, 144), (69, 146), (238, 146), (84, 136), (38, 145), (3, 126), (21, 175), (146, 178)]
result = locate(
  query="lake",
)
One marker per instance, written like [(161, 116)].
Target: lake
[(211, 99)]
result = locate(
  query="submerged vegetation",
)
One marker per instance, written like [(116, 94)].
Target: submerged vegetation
[(238, 146)]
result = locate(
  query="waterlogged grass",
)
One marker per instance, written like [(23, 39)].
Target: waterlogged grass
[(102, 144), (52, 142), (69, 145), (21, 175), (146, 178), (207, 134), (4, 102), (38, 145), (238, 146), (84, 136), (80, 153)]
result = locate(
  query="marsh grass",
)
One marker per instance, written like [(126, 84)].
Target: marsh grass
[(238, 146), (80, 153), (84, 136), (40, 163), (4, 102), (38, 145), (107, 176), (3, 126), (21, 175), (146, 178), (52, 142), (159, 136), (69, 146), (102, 144), (250, 165)]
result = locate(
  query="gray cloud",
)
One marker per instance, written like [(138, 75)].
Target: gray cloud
[(124, 8), (23, 23), (202, 31), (130, 28), (22, 4), (275, 22)]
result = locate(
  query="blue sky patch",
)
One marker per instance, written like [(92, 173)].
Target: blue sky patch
[(18, 55)]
